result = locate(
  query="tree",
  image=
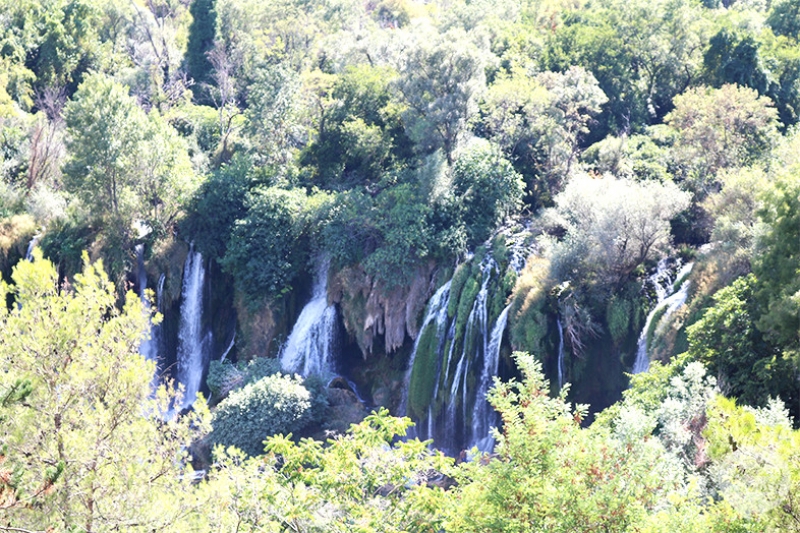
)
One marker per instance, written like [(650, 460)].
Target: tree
[(612, 226), (201, 41), (123, 163), (367, 480), (539, 121), (727, 340), (90, 448), (440, 83), (272, 405), (266, 248), (105, 129), (720, 128), (487, 188), (551, 475)]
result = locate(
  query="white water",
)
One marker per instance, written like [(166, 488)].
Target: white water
[(476, 330), (309, 348), (31, 246), (560, 355), (191, 357), (483, 415), (149, 346), (437, 312), (672, 302)]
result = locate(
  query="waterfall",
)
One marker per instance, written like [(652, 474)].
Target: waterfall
[(437, 312), (149, 346), (31, 246), (458, 356), (309, 348), (229, 348), (670, 303), (191, 356), (484, 416), (560, 354)]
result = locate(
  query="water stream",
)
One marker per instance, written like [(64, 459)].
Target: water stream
[(191, 352), (663, 283), (309, 348)]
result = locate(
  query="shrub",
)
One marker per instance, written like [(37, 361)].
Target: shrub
[(272, 405)]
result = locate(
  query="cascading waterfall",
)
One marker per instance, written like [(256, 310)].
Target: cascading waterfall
[(309, 348), (191, 353), (437, 312), (671, 302), (560, 354), (460, 370), (484, 416), (149, 346), (31, 245)]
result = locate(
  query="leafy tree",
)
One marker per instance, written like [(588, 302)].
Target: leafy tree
[(784, 19), (755, 453), (367, 480), (487, 188), (440, 83), (88, 448), (613, 226), (362, 134), (642, 53), (123, 163), (540, 121), (727, 340), (720, 128), (266, 248), (552, 475), (217, 205), (200, 41)]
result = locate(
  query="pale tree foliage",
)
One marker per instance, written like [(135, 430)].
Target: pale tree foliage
[(721, 128), (157, 45), (542, 118), (85, 442), (440, 81), (613, 225)]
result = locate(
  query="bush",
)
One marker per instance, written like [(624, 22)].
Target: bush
[(223, 377), (488, 188), (273, 405)]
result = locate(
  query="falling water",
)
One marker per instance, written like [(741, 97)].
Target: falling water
[(476, 331), (149, 346), (560, 355), (191, 356), (483, 416), (31, 246), (309, 348), (437, 312), (671, 302)]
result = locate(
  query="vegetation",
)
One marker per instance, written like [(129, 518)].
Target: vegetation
[(557, 153)]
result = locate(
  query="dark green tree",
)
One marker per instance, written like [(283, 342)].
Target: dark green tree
[(201, 39)]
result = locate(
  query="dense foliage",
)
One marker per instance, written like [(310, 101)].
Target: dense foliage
[(557, 154)]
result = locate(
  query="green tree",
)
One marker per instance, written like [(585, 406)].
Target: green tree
[(272, 405), (440, 83), (486, 188), (89, 448), (124, 164), (367, 480), (727, 340), (613, 226), (269, 246), (551, 475), (720, 128), (201, 40)]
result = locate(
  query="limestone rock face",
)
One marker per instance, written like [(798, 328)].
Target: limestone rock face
[(369, 310)]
